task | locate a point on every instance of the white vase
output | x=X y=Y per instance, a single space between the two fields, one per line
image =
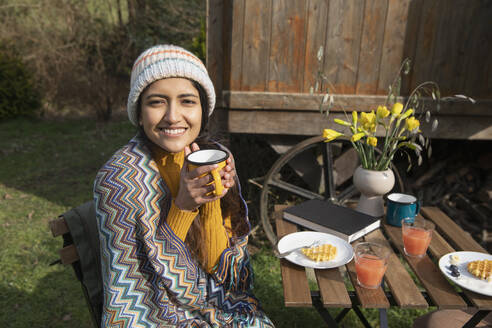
x=373 y=185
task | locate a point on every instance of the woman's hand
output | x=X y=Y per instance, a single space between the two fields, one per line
x=195 y=190
x=228 y=173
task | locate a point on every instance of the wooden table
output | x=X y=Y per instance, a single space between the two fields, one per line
x=402 y=292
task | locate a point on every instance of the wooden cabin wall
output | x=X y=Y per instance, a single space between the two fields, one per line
x=262 y=54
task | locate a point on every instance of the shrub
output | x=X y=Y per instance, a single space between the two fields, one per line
x=18 y=95
x=81 y=52
x=199 y=43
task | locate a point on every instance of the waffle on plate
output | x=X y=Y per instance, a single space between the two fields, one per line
x=321 y=253
x=481 y=269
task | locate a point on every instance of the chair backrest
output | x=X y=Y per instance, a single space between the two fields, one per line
x=81 y=249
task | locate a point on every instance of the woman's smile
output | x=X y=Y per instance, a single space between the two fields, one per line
x=172 y=132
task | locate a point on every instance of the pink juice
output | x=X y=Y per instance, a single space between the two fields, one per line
x=416 y=240
x=370 y=270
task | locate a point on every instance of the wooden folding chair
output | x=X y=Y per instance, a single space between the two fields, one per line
x=78 y=228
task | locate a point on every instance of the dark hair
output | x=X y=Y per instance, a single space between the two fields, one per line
x=203 y=136
x=231 y=204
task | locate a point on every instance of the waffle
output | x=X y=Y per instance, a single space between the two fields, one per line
x=481 y=269
x=321 y=253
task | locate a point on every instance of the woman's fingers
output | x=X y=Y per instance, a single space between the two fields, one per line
x=201 y=192
x=201 y=181
x=228 y=173
x=194 y=146
x=207 y=182
x=205 y=169
x=187 y=150
x=195 y=199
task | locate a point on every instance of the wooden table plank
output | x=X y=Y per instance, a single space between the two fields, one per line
x=459 y=238
x=439 y=246
x=439 y=289
x=404 y=290
x=332 y=288
x=296 y=287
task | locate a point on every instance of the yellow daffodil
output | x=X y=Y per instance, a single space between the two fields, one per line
x=373 y=141
x=395 y=123
x=382 y=112
x=412 y=123
x=330 y=134
x=341 y=122
x=368 y=121
x=407 y=114
x=354 y=118
x=397 y=108
x=357 y=136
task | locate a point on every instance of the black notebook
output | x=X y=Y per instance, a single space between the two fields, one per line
x=324 y=216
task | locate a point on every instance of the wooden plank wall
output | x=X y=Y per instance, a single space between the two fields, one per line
x=271 y=46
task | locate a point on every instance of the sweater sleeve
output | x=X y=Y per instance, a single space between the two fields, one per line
x=215 y=235
x=180 y=221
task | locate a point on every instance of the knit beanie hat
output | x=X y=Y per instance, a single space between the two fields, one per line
x=165 y=61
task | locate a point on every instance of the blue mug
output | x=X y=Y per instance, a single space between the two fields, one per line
x=400 y=206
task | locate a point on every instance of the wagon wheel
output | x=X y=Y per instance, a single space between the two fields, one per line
x=330 y=165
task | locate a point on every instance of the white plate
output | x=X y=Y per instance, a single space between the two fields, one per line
x=466 y=279
x=304 y=238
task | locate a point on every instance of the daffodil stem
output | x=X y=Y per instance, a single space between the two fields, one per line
x=362 y=155
x=393 y=84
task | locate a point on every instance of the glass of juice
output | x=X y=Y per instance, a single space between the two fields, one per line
x=417 y=235
x=371 y=261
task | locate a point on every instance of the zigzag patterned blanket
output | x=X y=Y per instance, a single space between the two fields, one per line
x=150 y=278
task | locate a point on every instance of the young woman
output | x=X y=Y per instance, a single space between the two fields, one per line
x=172 y=253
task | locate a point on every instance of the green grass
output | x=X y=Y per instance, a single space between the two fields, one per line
x=48 y=167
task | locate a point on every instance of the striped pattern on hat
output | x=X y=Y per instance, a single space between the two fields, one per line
x=165 y=61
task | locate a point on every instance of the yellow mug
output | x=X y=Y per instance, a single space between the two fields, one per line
x=207 y=157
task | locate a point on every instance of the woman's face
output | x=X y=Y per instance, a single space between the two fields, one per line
x=171 y=113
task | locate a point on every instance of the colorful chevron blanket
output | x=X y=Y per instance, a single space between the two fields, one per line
x=150 y=278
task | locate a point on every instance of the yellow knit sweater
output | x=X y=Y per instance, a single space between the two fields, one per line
x=214 y=227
